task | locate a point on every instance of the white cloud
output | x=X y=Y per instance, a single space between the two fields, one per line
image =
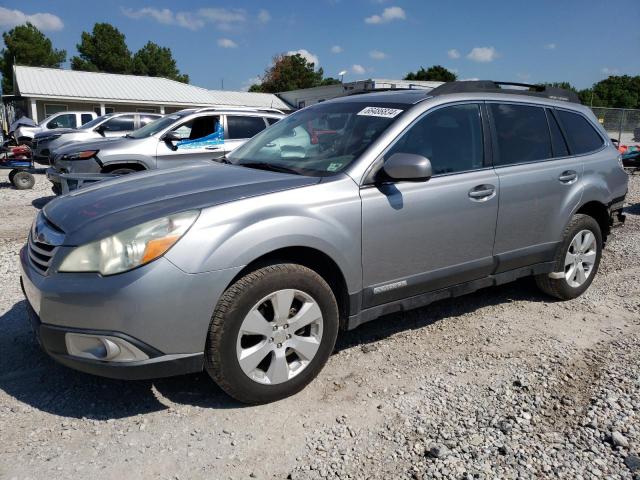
x=336 y=49
x=550 y=46
x=226 y=43
x=307 y=55
x=610 y=71
x=264 y=16
x=43 y=21
x=222 y=18
x=453 y=53
x=358 y=69
x=250 y=81
x=483 y=54
x=377 y=55
x=388 y=15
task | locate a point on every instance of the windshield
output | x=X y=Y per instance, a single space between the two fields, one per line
x=94 y=123
x=156 y=126
x=320 y=140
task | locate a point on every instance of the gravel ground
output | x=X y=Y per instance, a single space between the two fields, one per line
x=503 y=383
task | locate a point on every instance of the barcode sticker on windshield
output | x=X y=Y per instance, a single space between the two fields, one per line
x=380 y=112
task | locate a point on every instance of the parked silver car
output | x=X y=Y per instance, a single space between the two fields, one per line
x=377 y=203
x=192 y=135
x=109 y=125
x=24 y=134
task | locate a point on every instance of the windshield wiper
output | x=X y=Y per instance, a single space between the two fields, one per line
x=268 y=166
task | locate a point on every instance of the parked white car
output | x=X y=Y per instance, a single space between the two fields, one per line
x=24 y=134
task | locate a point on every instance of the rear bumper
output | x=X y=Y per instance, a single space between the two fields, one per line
x=52 y=341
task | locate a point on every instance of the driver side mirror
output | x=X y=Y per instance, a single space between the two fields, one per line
x=100 y=129
x=409 y=167
x=170 y=137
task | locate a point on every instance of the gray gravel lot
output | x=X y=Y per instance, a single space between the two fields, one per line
x=503 y=383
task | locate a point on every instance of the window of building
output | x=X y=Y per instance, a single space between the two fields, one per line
x=581 y=135
x=51 y=109
x=450 y=137
x=522 y=134
x=146 y=110
x=244 y=127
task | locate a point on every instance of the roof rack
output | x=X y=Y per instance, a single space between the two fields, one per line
x=489 y=86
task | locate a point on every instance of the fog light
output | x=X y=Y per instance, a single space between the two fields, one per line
x=102 y=347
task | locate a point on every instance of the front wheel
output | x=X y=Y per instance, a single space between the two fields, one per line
x=577 y=259
x=271 y=333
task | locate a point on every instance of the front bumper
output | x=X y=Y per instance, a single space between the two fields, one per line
x=158 y=308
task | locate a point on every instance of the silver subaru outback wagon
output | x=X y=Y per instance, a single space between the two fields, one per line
x=345 y=211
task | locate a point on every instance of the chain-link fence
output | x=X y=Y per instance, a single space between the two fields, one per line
x=622 y=124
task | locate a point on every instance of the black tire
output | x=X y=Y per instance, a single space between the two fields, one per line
x=23 y=180
x=122 y=171
x=12 y=173
x=560 y=287
x=56 y=188
x=221 y=360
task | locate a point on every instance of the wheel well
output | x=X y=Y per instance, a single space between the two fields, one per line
x=115 y=166
x=317 y=261
x=600 y=214
x=25 y=139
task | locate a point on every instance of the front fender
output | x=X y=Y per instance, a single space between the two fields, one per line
x=324 y=217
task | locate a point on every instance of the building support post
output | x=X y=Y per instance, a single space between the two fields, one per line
x=162 y=109
x=34 y=110
x=102 y=109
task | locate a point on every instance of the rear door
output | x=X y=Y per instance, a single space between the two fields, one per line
x=118 y=126
x=540 y=183
x=240 y=128
x=202 y=139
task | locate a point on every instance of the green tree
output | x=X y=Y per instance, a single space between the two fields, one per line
x=103 y=50
x=156 y=61
x=436 y=73
x=290 y=72
x=621 y=91
x=26 y=45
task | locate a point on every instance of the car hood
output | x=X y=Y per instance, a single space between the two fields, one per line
x=114 y=205
x=57 y=131
x=96 y=144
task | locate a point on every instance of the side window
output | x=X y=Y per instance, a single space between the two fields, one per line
x=85 y=117
x=450 y=137
x=123 y=123
x=144 y=119
x=557 y=139
x=581 y=135
x=244 y=127
x=522 y=134
x=200 y=132
x=67 y=120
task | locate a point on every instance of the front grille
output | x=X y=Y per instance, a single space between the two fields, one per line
x=40 y=254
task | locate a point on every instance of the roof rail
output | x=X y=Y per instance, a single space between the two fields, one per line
x=241 y=109
x=490 y=86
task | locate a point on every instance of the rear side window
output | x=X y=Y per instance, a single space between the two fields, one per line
x=557 y=140
x=450 y=137
x=581 y=135
x=124 y=123
x=85 y=117
x=144 y=119
x=244 y=127
x=522 y=134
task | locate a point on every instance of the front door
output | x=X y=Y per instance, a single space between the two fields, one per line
x=202 y=139
x=423 y=236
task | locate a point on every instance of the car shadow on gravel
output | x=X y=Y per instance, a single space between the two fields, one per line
x=33 y=378
x=383 y=327
x=39 y=203
x=633 y=209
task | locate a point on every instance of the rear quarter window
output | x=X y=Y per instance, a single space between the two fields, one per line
x=581 y=135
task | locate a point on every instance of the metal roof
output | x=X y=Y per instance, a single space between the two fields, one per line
x=40 y=82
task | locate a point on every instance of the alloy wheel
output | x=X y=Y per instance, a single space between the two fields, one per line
x=580 y=258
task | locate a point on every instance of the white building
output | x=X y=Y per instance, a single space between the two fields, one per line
x=308 y=96
x=41 y=92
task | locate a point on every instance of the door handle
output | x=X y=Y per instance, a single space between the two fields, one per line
x=568 y=176
x=482 y=192
x=212 y=147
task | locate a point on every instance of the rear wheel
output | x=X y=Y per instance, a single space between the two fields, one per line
x=271 y=333
x=122 y=171
x=576 y=261
x=23 y=180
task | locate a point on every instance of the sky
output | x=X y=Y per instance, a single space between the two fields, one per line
x=233 y=41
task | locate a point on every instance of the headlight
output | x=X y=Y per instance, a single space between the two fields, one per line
x=80 y=155
x=130 y=248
